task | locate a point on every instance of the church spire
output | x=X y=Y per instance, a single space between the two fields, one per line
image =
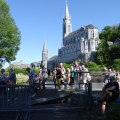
x=66 y=11
x=44 y=46
x=44 y=55
x=67 y=26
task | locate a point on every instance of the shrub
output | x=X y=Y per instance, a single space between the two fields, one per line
x=67 y=65
x=24 y=71
x=93 y=66
x=116 y=64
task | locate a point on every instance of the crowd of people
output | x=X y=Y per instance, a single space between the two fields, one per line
x=34 y=80
x=11 y=79
x=64 y=79
x=60 y=75
x=37 y=80
x=107 y=73
x=4 y=80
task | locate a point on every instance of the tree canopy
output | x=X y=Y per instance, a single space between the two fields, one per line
x=9 y=35
x=107 y=53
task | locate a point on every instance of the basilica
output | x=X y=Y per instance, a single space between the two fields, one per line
x=79 y=44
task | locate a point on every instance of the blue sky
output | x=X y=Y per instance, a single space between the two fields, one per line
x=41 y=20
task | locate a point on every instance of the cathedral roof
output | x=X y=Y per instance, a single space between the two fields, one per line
x=36 y=62
x=90 y=26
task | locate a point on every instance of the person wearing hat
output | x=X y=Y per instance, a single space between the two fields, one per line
x=109 y=92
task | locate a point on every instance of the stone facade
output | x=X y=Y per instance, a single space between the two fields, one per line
x=36 y=65
x=79 y=44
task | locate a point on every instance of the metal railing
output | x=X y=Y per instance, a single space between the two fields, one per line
x=16 y=98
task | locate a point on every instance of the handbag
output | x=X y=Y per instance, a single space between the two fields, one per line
x=88 y=78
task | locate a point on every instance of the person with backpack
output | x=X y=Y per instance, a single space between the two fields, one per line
x=58 y=78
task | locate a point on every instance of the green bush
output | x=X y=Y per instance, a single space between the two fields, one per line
x=94 y=69
x=24 y=71
x=93 y=66
x=116 y=64
x=113 y=113
x=67 y=65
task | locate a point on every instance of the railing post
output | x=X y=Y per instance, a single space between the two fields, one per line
x=89 y=92
x=76 y=80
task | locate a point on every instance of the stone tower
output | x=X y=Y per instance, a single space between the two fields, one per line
x=67 y=26
x=44 y=55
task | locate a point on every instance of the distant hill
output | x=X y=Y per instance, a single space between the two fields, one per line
x=18 y=65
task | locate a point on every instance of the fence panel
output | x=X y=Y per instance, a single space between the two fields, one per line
x=16 y=98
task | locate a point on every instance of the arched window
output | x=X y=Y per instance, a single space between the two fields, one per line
x=92 y=34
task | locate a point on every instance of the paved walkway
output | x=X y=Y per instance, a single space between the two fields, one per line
x=51 y=93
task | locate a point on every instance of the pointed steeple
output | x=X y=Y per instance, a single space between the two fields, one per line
x=44 y=55
x=66 y=11
x=67 y=26
x=44 y=46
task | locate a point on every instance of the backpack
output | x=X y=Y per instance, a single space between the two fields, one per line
x=58 y=74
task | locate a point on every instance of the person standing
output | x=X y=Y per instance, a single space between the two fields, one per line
x=12 y=77
x=40 y=78
x=3 y=81
x=31 y=78
x=12 y=81
x=63 y=76
x=68 y=76
x=77 y=67
x=58 y=78
x=3 y=78
x=54 y=76
x=72 y=76
x=84 y=75
x=106 y=75
x=45 y=76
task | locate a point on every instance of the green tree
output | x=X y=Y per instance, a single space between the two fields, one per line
x=9 y=35
x=103 y=52
x=114 y=52
x=106 y=33
x=106 y=54
x=116 y=64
